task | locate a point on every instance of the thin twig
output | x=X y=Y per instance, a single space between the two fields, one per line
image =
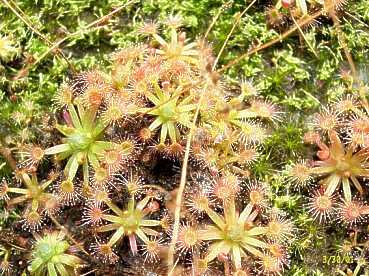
x=65 y=230
x=343 y=43
x=357 y=19
x=23 y=17
x=222 y=8
x=342 y=40
x=56 y=45
x=87 y=273
x=271 y=42
x=86 y=28
x=7 y=154
x=303 y=36
x=182 y=184
x=231 y=32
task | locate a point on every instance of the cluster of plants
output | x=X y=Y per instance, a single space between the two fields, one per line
x=114 y=125
x=176 y=156
x=340 y=134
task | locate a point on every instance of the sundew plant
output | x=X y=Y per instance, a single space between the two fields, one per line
x=184 y=137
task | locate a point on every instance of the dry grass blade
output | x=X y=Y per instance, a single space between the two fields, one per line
x=272 y=42
x=304 y=37
x=54 y=47
x=182 y=184
x=221 y=9
x=342 y=41
x=231 y=32
x=23 y=17
x=65 y=230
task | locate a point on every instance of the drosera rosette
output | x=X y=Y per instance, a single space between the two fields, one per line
x=68 y=192
x=181 y=77
x=39 y=202
x=53 y=255
x=177 y=48
x=281 y=229
x=169 y=112
x=189 y=238
x=236 y=128
x=234 y=234
x=83 y=143
x=169 y=80
x=132 y=222
x=322 y=207
x=352 y=212
x=198 y=196
x=299 y=174
x=340 y=164
x=237 y=235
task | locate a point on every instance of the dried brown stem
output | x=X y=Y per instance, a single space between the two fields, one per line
x=55 y=46
x=222 y=8
x=182 y=184
x=272 y=42
x=303 y=36
x=350 y=60
x=8 y=156
x=65 y=230
x=23 y=17
x=235 y=24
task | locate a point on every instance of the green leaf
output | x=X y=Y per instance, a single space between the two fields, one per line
x=119 y=233
x=236 y=253
x=216 y=248
x=108 y=227
x=142 y=235
x=331 y=183
x=163 y=133
x=69 y=260
x=217 y=219
x=61 y=269
x=256 y=231
x=51 y=269
x=75 y=119
x=36 y=264
x=245 y=213
x=94 y=161
x=149 y=222
x=72 y=167
x=211 y=233
x=155 y=124
x=58 y=149
x=172 y=131
x=254 y=242
x=346 y=189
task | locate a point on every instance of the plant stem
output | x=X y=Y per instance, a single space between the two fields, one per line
x=235 y=24
x=65 y=230
x=222 y=8
x=271 y=42
x=7 y=154
x=182 y=184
